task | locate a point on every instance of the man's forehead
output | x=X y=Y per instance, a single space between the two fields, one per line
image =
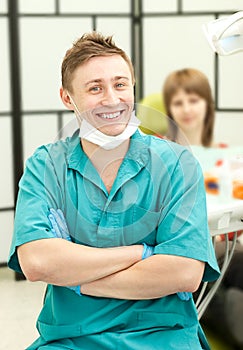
x=101 y=80
x=102 y=68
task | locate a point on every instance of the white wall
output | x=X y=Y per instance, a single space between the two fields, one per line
x=6 y=157
x=172 y=40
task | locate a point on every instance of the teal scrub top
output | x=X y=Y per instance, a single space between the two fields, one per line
x=158 y=197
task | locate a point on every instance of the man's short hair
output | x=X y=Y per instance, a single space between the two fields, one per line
x=89 y=45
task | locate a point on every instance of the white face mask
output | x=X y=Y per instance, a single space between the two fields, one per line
x=90 y=133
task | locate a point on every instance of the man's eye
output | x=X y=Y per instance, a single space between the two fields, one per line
x=120 y=85
x=95 y=88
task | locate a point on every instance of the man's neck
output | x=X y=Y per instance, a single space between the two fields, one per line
x=101 y=158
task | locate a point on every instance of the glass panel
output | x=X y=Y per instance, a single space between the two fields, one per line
x=228 y=129
x=6 y=156
x=120 y=28
x=3 y=6
x=38 y=130
x=67 y=118
x=4 y=59
x=70 y=124
x=209 y=5
x=159 y=6
x=95 y=6
x=6 y=232
x=42 y=6
x=44 y=42
x=231 y=81
x=181 y=44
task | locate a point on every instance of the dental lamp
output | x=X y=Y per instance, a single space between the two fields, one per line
x=225 y=35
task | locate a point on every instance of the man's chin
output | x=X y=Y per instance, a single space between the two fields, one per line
x=113 y=130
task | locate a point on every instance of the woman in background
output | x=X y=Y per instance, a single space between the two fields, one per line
x=189 y=106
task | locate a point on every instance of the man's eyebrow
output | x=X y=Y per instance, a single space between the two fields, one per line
x=118 y=77
x=93 y=81
x=121 y=77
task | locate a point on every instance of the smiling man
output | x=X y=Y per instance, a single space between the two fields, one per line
x=103 y=90
x=112 y=220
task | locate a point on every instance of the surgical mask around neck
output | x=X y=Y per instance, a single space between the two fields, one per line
x=89 y=133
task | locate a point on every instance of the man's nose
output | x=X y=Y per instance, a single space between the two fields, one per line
x=110 y=97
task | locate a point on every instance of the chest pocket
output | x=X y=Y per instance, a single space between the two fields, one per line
x=127 y=228
x=115 y=229
x=142 y=228
x=126 y=217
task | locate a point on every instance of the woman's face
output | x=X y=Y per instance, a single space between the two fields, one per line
x=188 y=110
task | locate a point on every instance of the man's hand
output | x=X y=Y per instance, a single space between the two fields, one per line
x=60 y=230
x=59 y=225
x=147 y=252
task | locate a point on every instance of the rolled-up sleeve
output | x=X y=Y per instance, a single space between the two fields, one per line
x=38 y=191
x=183 y=227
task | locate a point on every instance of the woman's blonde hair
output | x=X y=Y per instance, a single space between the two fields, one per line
x=191 y=81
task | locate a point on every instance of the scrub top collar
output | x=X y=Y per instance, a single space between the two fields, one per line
x=138 y=151
x=136 y=157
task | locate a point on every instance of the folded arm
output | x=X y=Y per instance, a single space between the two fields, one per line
x=107 y=272
x=155 y=277
x=60 y=262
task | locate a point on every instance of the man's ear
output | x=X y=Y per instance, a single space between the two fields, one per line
x=66 y=99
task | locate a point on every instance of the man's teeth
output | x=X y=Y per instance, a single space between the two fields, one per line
x=111 y=115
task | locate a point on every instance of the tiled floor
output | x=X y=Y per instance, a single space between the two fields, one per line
x=20 y=303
